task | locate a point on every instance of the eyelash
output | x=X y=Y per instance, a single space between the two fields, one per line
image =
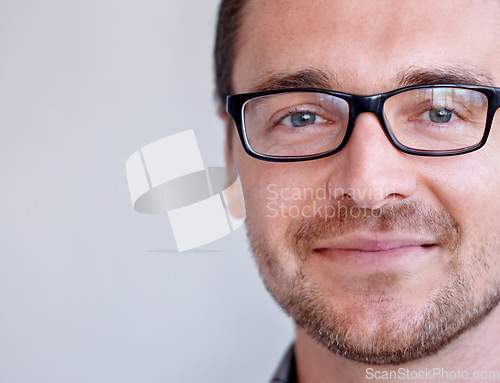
x=429 y=107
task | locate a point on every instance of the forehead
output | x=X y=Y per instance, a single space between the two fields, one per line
x=362 y=45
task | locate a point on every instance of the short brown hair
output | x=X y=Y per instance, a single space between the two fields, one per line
x=228 y=25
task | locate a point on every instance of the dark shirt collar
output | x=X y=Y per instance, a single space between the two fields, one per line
x=286 y=372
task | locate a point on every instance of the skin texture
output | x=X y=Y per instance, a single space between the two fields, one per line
x=424 y=306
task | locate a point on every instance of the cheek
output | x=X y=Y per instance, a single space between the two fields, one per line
x=469 y=191
x=275 y=193
x=468 y=188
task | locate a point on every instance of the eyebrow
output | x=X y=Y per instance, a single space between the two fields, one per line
x=414 y=76
x=304 y=78
x=455 y=74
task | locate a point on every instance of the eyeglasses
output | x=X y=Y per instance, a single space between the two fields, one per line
x=306 y=124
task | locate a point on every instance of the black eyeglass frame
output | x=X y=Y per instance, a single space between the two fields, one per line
x=357 y=105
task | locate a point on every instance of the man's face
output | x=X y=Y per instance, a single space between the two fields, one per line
x=422 y=266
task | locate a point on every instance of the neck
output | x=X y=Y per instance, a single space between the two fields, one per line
x=475 y=351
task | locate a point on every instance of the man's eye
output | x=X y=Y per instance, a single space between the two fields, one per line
x=302 y=119
x=441 y=115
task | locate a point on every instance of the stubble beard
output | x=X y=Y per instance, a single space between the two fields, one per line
x=449 y=311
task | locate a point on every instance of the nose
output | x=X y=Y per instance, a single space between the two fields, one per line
x=370 y=171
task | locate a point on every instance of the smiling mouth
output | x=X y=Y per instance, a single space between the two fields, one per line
x=375 y=250
x=379 y=248
x=376 y=242
x=381 y=257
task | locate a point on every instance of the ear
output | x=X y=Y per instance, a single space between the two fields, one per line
x=234 y=192
x=228 y=136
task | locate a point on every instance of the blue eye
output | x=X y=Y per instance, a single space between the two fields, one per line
x=440 y=116
x=302 y=119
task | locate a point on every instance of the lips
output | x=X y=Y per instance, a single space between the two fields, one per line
x=375 y=242
x=356 y=255
x=376 y=246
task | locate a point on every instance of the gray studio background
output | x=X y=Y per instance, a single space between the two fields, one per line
x=90 y=290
